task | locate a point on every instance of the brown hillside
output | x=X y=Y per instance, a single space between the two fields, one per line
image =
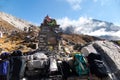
x=6 y=27
x=79 y=39
x=10 y=43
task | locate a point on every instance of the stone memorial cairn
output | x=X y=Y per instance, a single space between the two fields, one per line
x=49 y=35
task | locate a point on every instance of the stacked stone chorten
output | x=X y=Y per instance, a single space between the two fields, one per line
x=49 y=35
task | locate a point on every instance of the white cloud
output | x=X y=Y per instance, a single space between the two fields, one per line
x=75 y=4
x=102 y=32
x=85 y=25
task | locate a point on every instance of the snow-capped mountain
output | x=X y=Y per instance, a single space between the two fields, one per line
x=83 y=25
x=90 y=26
x=13 y=21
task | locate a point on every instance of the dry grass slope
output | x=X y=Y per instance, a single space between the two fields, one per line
x=79 y=39
x=7 y=27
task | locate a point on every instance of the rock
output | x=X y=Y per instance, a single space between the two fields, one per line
x=6 y=40
x=88 y=49
x=77 y=47
x=111 y=55
x=27 y=39
x=20 y=47
x=32 y=45
x=0 y=44
x=40 y=55
x=1 y=34
x=1 y=50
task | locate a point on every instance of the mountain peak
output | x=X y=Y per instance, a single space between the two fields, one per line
x=89 y=26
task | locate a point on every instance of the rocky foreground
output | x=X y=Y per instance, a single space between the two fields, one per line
x=110 y=53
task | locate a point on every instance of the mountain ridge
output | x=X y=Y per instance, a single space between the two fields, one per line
x=89 y=26
x=85 y=26
x=14 y=21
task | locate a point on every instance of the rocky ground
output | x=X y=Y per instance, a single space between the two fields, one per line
x=20 y=40
x=24 y=41
x=28 y=41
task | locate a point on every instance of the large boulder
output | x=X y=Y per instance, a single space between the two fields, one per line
x=111 y=55
x=88 y=49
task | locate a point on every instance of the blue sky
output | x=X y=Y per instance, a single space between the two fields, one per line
x=35 y=10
